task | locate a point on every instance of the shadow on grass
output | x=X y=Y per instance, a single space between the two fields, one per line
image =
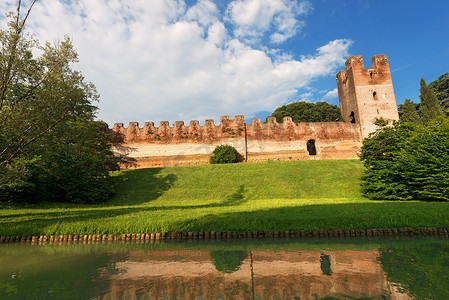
x=326 y=216
x=91 y=214
x=317 y=216
x=235 y=198
x=133 y=187
x=140 y=186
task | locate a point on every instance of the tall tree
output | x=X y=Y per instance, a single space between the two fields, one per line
x=441 y=89
x=302 y=111
x=430 y=108
x=424 y=161
x=37 y=94
x=48 y=136
x=409 y=112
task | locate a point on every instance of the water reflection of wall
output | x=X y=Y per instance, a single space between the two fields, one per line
x=262 y=275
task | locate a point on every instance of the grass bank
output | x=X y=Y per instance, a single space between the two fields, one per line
x=291 y=195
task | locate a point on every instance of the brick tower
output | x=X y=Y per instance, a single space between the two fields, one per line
x=366 y=94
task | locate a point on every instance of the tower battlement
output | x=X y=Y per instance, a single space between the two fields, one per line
x=378 y=74
x=366 y=94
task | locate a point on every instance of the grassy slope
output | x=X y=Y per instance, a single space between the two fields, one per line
x=255 y=196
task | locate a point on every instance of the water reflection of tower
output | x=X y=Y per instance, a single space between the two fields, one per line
x=252 y=275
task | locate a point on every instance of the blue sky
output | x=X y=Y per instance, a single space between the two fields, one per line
x=199 y=59
x=413 y=35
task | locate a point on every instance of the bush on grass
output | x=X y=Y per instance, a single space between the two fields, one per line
x=224 y=154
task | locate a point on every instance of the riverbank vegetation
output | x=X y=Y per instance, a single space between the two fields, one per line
x=285 y=195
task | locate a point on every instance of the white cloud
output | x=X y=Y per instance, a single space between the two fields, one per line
x=332 y=94
x=205 y=12
x=161 y=60
x=308 y=96
x=217 y=33
x=255 y=18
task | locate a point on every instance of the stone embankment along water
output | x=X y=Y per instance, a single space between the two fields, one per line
x=343 y=233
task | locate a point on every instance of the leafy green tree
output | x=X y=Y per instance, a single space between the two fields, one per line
x=441 y=89
x=409 y=112
x=78 y=165
x=429 y=108
x=48 y=134
x=308 y=112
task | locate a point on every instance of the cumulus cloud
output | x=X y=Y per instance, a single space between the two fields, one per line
x=332 y=94
x=204 y=11
x=254 y=18
x=163 y=60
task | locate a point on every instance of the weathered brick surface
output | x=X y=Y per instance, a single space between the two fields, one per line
x=366 y=94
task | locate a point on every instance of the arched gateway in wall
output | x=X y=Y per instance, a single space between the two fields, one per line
x=364 y=95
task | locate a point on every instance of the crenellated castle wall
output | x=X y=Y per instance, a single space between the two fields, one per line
x=179 y=133
x=153 y=146
x=364 y=94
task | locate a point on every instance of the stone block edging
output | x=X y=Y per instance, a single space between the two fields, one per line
x=341 y=233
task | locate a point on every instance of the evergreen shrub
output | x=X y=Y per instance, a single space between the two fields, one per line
x=407 y=161
x=224 y=154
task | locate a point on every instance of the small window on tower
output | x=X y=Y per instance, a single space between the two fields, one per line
x=374 y=95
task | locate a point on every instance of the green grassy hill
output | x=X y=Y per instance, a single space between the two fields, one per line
x=251 y=181
x=290 y=195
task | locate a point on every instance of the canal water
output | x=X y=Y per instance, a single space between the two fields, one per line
x=229 y=269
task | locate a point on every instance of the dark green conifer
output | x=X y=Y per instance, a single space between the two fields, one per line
x=410 y=112
x=441 y=89
x=429 y=108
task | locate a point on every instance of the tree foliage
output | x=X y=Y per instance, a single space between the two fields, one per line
x=308 y=112
x=441 y=90
x=379 y=154
x=224 y=154
x=409 y=112
x=50 y=145
x=429 y=108
x=424 y=161
x=407 y=161
x=410 y=159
